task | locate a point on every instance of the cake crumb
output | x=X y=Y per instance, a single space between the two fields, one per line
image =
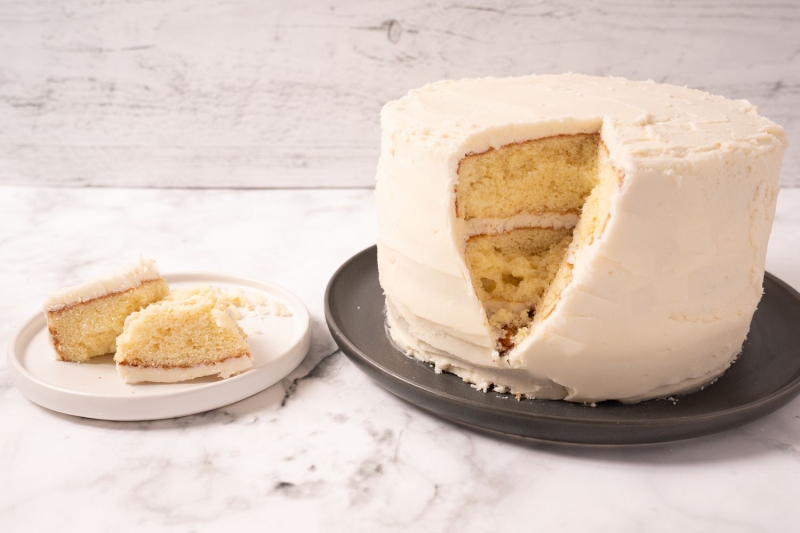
x=256 y=303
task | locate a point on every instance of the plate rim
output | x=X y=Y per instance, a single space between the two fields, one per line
x=22 y=378
x=775 y=399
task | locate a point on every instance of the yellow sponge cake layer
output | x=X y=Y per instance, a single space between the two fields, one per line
x=513 y=272
x=595 y=215
x=554 y=174
x=516 y=266
x=188 y=335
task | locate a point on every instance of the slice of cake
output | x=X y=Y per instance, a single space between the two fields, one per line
x=84 y=321
x=188 y=335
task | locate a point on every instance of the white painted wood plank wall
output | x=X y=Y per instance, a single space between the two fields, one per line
x=251 y=93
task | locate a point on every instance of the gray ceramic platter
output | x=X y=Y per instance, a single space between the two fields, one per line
x=765 y=377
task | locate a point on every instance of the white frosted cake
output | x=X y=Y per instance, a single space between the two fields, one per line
x=574 y=237
x=84 y=320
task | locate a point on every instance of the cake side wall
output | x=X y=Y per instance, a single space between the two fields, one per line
x=666 y=296
x=418 y=262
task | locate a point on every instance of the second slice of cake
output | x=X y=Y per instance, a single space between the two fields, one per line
x=188 y=335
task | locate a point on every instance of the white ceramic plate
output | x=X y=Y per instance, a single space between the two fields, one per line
x=94 y=390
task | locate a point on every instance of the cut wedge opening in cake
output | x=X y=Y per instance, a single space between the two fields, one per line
x=528 y=208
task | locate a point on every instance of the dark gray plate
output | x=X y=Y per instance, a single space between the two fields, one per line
x=765 y=377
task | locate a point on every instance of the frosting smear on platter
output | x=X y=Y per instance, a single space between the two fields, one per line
x=574 y=237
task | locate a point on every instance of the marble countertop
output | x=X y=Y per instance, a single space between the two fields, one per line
x=326 y=448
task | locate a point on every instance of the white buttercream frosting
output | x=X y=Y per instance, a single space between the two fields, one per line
x=659 y=304
x=120 y=280
x=223 y=369
x=481 y=226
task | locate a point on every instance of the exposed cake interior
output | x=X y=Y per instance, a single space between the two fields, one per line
x=520 y=203
x=191 y=329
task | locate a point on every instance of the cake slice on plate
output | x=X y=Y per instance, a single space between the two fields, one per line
x=85 y=320
x=188 y=335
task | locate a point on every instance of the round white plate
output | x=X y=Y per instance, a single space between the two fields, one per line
x=94 y=390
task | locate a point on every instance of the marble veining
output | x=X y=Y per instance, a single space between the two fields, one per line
x=327 y=449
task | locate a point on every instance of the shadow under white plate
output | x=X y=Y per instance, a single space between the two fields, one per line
x=94 y=390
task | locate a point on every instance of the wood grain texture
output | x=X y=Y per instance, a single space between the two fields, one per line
x=246 y=93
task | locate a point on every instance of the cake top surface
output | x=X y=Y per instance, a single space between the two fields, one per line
x=650 y=119
x=122 y=279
